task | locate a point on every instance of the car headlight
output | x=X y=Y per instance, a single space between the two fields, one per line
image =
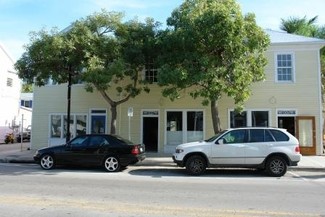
x=178 y=150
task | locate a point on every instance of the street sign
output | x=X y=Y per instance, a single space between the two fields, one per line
x=130 y=112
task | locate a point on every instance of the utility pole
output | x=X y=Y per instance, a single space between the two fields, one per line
x=68 y=109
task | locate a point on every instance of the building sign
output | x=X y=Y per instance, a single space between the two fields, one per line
x=287 y=112
x=150 y=113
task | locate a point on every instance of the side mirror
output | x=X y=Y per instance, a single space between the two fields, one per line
x=220 y=141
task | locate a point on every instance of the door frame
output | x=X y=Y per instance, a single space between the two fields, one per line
x=150 y=113
x=307 y=150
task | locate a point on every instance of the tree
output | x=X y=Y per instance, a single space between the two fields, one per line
x=27 y=88
x=99 y=50
x=212 y=48
x=300 y=26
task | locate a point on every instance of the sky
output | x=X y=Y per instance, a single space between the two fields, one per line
x=20 y=17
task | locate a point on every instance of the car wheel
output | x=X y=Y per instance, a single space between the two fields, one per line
x=276 y=166
x=112 y=164
x=196 y=165
x=47 y=162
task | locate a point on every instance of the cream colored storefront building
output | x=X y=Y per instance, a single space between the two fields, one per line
x=290 y=97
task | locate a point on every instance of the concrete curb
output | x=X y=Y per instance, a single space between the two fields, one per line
x=150 y=161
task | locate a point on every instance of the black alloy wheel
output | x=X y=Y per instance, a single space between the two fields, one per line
x=196 y=165
x=276 y=166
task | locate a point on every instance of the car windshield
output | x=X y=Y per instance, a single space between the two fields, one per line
x=215 y=136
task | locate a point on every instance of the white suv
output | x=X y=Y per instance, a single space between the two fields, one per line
x=272 y=149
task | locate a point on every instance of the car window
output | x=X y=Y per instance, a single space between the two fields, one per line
x=268 y=136
x=256 y=135
x=279 y=136
x=97 y=141
x=234 y=136
x=79 y=141
x=119 y=140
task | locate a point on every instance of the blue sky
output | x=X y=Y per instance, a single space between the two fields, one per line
x=19 y=17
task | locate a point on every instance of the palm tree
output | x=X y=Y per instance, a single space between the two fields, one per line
x=300 y=26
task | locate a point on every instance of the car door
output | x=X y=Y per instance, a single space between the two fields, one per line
x=259 y=141
x=229 y=149
x=74 y=151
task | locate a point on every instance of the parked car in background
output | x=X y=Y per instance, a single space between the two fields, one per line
x=270 y=149
x=26 y=134
x=109 y=151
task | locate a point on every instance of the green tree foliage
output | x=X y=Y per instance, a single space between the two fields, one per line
x=300 y=26
x=212 y=48
x=27 y=88
x=100 y=50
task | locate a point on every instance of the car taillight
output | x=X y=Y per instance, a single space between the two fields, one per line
x=135 y=150
x=297 y=149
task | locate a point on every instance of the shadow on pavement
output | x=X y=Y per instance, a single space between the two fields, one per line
x=181 y=172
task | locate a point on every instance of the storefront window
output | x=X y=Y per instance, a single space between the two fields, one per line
x=260 y=118
x=72 y=129
x=56 y=126
x=249 y=118
x=174 y=127
x=184 y=126
x=238 y=119
x=194 y=126
x=81 y=124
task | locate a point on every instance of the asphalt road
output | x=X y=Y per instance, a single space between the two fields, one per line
x=27 y=190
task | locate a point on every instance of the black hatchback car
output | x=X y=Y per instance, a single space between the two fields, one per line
x=110 y=151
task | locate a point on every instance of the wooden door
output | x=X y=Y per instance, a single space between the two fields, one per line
x=306 y=134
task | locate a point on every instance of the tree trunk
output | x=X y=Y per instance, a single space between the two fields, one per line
x=215 y=116
x=114 y=116
x=113 y=105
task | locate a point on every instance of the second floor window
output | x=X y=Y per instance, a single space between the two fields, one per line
x=9 y=82
x=151 y=73
x=26 y=103
x=284 y=68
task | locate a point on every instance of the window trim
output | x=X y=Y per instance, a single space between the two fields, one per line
x=249 y=116
x=73 y=116
x=292 y=54
x=153 y=77
x=184 y=122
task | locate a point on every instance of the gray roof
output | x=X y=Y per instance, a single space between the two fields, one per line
x=279 y=37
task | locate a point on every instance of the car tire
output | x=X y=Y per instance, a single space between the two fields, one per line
x=47 y=162
x=276 y=166
x=112 y=164
x=195 y=165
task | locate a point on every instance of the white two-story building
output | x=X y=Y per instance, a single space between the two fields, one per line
x=10 y=87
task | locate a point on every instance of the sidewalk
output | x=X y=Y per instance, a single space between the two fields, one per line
x=20 y=153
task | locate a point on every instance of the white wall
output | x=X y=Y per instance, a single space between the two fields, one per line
x=9 y=91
